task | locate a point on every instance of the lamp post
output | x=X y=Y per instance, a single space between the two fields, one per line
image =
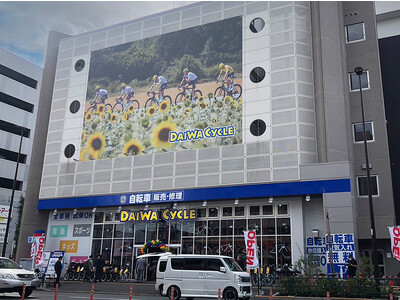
x=12 y=194
x=359 y=72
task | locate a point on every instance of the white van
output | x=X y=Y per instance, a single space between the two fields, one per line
x=195 y=276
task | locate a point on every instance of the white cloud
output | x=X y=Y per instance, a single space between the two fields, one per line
x=25 y=25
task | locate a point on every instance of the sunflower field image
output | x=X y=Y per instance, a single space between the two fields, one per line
x=124 y=113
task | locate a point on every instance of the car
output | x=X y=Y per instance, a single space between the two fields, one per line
x=13 y=277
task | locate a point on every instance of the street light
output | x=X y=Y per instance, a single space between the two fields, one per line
x=359 y=72
x=12 y=194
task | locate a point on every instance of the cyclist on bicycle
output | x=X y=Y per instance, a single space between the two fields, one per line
x=163 y=83
x=229 y=74
x=189 y=79
x=126 y=93
x=101 y=96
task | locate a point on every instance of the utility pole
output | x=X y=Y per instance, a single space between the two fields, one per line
x=328 y=232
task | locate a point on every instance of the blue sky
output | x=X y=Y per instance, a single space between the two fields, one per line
x=24 y=25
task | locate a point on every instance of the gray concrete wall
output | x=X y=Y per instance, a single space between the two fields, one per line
x=32 y=219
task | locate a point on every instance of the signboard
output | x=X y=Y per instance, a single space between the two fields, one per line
x=2 y=232
x=395 y=239
x=37 y=247
x=70 y=216
x=58 y=231
x=154 y=215
x=45 y=260
x=82 y=230
x=317 y=247
x=176 y=121
x=251 y=249
x=78 y=259
x=4 y=211
x=69 y=246
x=342 y=247
x=52 y=261
x=156 y=197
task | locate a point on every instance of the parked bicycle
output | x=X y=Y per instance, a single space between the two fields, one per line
x=124 y=274
x=71 y=269
x=222 y=91
x=186 y=94
x=154 y=101
x=121 y=105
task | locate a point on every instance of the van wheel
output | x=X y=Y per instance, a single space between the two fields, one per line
x=230 y=294
x=160 y=289
x=177 y=293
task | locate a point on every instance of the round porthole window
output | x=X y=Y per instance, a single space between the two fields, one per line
x=79 y=65
x=74 y=107
x=258 y=127
x=257 y=25
x=69 y=151
x=257 y=74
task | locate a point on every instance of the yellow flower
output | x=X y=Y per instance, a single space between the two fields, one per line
x=133 y=147
x=214 y=120
x=161 y=135
x=113 y=118
x=187 y=112
x=83 y=136
x=125 y=117
x=131 y=109
x=187 y=97
x=240 y=101
x=100 y=109
x=227 y=99
x=96 y=144
x=202 y=105
x=201 y=99
x=164 y=106
x=234 y=103
x=88 y=117
x=151 y=111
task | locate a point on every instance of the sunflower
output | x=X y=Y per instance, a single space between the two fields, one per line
x=96 y=144
x=113 y=118
x=234 y=103
x=83 y=154
x=227 y=99
x=151 y=111
x=187 y=112
x=240 y=102
x=88 y=117
x=187 y=97
x=214 y=120
x=201 y=99
x=161 y=134
x=164 y=106
x=100 y=109
x=131 y=109
x=125 y=116
x=133 y=147
x=83 y=135
x=202 y=105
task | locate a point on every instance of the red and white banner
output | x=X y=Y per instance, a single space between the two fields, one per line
x=251 y=249
x=395 y=238
x=37 y=247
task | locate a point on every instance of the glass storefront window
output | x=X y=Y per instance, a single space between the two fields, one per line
x=239 y=211
x=255 y=224
x=268 y=252
x=140 y=229
x=96 y=248
x=116 y=216
x=108 y=217
x=108 y=231
x=151 y=231
x=187 y=245
x=213 y=228
x=201 y=228
x=127 y=252
x=240 y=226
x=106 y=250
x=284 y=250
x=268 y=226
x=268 y=210
x=97 y=231
x=117 y=252
x=227 y=211
x=212 y=245
x=200 y=245
x=175 y=234
x=239 y=247
x=119 y=230
x=187 y=228
x=99 y=217
x=226 y=246
x=201 y=213
x=163 y=228
x=254 y=210
x=283 y=225
x=282 y=209
x=129 y=229
x=213 y=212
x=227 y=227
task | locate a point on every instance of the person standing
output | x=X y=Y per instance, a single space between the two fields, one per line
x=139 y=268
x=351 y=266
x=58 y=269
x=88 y=266
x=99 y=265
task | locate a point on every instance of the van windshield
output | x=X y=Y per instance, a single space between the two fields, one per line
x=232 y=264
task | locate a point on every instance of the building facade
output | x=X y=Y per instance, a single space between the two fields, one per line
x=277 y=152
x=20 y=83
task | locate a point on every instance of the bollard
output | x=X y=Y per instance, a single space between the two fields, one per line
x=172 y=293
x=270 y=294
x=56 y=292
x=391 y=296
x=92 y=292
x=328 y=295
x=131 y=292
x=219 y=294
x=23 y=292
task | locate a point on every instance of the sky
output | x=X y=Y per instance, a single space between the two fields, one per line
x=25 y=25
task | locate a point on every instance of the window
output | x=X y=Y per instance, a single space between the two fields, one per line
x=257 y=74
x=355 y=81
x=213 y=264
x=254 y=210
x=194 y=264
x=239 y=211
x=257 y=127
x=362 y=186
x=213 y=212
x=18 y=76
x=358 y=132
x=6 y=183
x=163 y=266
x=201 y=212
x=13 y=156
x=282 y=209
x=268 y=210
x=177 y=263
x=227 y=211
x=355 y=33
x=18 y=103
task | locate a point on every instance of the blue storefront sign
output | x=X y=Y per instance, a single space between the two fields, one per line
x=342 y=247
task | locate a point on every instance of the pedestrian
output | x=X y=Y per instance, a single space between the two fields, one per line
x=351 y=266
x=139 y=268
x=88 y=267
x=58 y=269
x=99 y=265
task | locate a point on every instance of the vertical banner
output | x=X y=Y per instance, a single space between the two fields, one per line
x=37 y=247
x=395 y=239
x=251 y=249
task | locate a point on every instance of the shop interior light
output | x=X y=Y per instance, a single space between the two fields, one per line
x=308 y=198
x=175 y=205
x=204 y=203
x=236 y=202
x=75 y=211
x=119 y=208
x=270 y=199
x=94 y=209
x=54 y=212
x=146 y=207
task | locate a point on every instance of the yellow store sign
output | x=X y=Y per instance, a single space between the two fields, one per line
x=69 y=246
x=154 y=215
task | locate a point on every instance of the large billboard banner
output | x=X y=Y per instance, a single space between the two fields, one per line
x=176 y=91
